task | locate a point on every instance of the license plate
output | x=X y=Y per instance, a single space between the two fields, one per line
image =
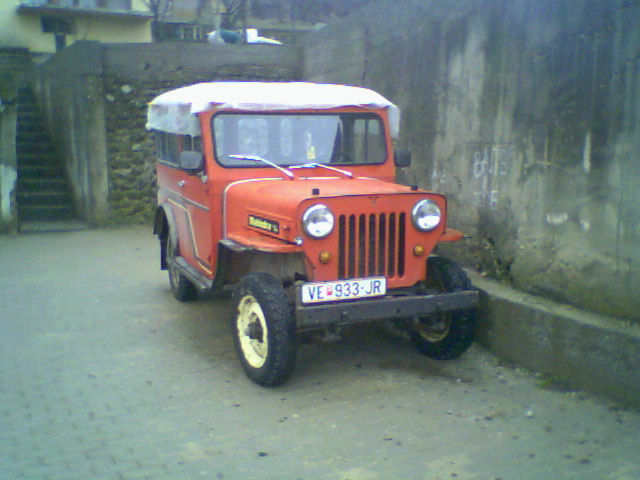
x=343 y=290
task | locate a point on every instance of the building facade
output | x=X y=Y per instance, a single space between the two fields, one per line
x=46 y=26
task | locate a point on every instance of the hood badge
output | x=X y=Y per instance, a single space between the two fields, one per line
x=265 y=224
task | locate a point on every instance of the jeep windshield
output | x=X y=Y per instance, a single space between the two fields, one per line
x=299 y=139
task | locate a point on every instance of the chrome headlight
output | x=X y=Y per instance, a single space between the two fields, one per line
x=426 y=215
x=318 y=221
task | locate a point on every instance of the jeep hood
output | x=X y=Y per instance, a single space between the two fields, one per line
x=278 y=195
x=265 y=213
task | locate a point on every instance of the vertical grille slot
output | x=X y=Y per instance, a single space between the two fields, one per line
x=401 y=243
x=382 y=230
x=362 y=246
x=391 y=250
x=371 y=245
x=372 y=250
x=351 y=249
x=342 y=250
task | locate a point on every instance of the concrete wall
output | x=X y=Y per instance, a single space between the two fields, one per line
x=525 y=114
x=132 y=77
x=70 y=90
x=573 y=348
x=8 y=169
x=95 y=98
x=14 y=64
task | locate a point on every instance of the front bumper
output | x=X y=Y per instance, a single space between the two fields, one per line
x=387 y=307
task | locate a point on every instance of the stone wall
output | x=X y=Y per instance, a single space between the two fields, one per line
x=95 y=97
x=133 y=78
x=525 y=114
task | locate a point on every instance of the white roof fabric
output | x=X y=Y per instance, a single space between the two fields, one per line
x=175 y=111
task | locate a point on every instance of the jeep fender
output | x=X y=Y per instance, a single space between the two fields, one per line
x=236 y=260
x=163 y=226
x=451 y=235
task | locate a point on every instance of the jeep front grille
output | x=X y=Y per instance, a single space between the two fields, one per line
x=371 y=245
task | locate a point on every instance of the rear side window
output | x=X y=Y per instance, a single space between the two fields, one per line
x=169 y=146
x=190 y=144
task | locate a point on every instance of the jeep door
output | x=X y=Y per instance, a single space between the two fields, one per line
x=193 y=188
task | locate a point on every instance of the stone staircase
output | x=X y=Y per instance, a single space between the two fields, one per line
x=14 y=61
x=43 y=192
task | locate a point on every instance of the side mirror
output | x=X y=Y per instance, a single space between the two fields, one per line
x=402 y=158
x=192 y=162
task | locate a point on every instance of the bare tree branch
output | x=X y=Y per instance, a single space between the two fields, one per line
x=159 y=8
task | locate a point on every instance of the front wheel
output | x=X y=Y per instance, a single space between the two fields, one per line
x=264 y=330
x=444 y=335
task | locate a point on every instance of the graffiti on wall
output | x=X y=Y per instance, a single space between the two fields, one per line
x=490 y=166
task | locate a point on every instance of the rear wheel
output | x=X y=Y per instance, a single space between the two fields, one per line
x=444 y=335
x=181 y=287
x=264 y=330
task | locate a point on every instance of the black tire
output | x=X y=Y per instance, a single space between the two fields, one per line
x=446 y=335
x=264 y=329
x=181 y=287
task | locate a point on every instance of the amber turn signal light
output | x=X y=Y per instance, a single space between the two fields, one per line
x=324 y=257
x=418 y=250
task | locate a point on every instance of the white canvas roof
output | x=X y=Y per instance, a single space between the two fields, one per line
x=174 y=111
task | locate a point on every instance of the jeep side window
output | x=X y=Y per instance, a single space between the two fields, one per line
x=167 y=148
x=191 y=144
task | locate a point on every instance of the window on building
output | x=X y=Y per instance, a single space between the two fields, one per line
x=64 y=26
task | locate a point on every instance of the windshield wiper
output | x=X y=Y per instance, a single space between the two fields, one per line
x=314 y=165
x=257 y=158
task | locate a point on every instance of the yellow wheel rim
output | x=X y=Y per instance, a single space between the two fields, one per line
x=252 y=331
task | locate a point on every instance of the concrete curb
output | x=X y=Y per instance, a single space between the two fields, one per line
x=587 y=351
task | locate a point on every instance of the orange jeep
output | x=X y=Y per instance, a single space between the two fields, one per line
x=286 y=191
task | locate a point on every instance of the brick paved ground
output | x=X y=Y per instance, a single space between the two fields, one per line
x=104 y=376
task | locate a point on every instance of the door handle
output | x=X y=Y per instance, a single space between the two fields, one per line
x=181 y=183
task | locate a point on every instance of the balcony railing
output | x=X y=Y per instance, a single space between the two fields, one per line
x=112 y=5
x=83 y=8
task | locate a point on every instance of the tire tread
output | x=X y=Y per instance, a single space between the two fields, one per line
x=463 y=325
x=281 y=324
